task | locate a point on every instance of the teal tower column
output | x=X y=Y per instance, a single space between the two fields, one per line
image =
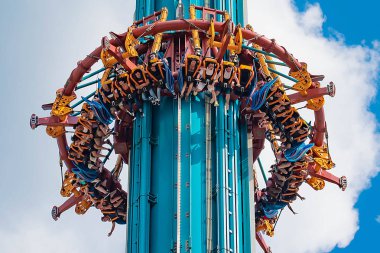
x=188 y=180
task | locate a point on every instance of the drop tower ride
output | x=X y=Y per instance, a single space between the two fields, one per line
x=191 y=184
x=190 y=173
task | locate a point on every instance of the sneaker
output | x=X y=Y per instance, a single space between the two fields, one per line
x=131 y=113
x=216 y=104
x=195 y=93
x=227 y=106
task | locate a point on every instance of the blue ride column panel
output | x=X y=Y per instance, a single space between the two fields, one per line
x=213 y=211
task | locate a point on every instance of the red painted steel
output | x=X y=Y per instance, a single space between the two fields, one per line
x=262 y=243
x=83 y=67
x=62 y=146
x=55 y=121
x=223 y=48
x=311 y=93
x=319 y=129
x=72 y=201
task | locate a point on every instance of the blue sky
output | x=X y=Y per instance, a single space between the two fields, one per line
x=358 y=22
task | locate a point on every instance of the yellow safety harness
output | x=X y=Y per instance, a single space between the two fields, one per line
x=119 y=87
x=225 y=65
x=159 y=65
x=143 y=76
x=206 y=62
x=190 y=58
x=245 y=68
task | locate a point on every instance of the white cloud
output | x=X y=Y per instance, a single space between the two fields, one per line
x=59 y=33
x=327 y=218
x=378 y=218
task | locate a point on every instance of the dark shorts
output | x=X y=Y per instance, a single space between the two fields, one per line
x=145 y=89
x=241 y=91
x=189 y=79
x=160 y=84
x=223 y=88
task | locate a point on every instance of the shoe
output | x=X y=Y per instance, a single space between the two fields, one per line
x=216 y=104
x=227 y=106
x=131 y=113
x=195 y=93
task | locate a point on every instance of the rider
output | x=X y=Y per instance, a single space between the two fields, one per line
x=189 y=71
x=207 y=77
x=156 y=74
x=226 y=77
x=143 y=84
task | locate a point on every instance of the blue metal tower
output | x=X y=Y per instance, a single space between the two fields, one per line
x=189 y=170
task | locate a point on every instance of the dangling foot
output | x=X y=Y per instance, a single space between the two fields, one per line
x=55 y=213
x=216 y=104
x=195 y=93
x=212 y=101
x=130 y=113
x=227 y=106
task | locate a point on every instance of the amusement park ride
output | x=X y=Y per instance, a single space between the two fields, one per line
x=188 y=96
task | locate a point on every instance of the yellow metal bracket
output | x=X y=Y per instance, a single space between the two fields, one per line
x=158 y=37
x=303 y=77
x=60 y=106
x=316 y=183
x=211 y=34
x=316 y=104
x=266 y=226
x=83 y=205
x=69 y=185
x=194 y=32
x=234 y=44
x=107 y=59
x=261 y=57
x=130 y=43
x=55 y=131
x=322 y=158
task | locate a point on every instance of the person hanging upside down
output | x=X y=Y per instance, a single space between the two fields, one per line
x=226 y=77
x=189 y=71
x=122 y=91
x=207 y=80
x=113 y=217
